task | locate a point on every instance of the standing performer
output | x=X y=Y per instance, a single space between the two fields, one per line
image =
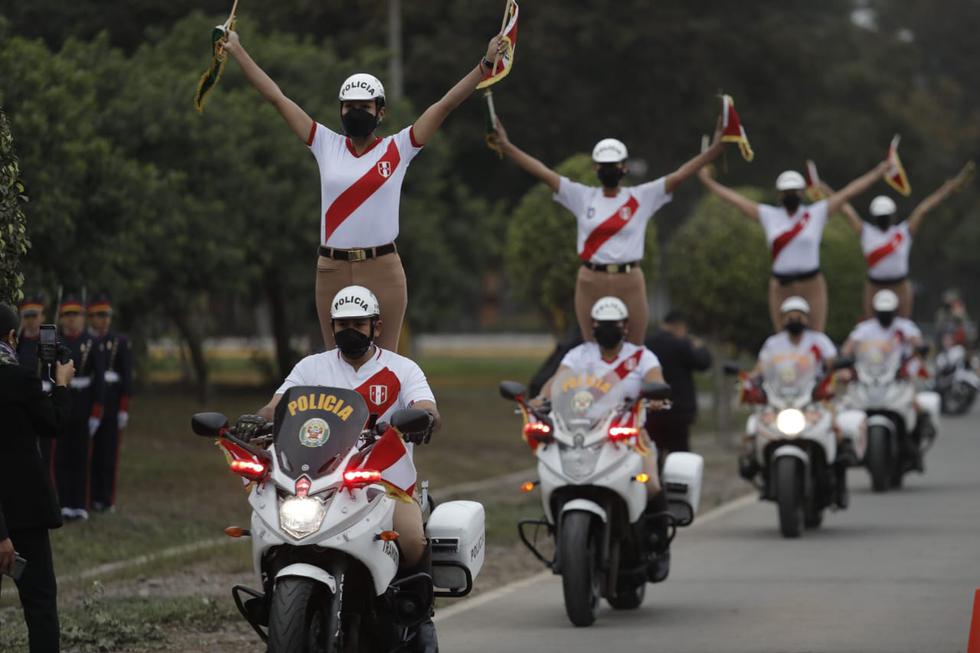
x=360 y=183
x=117 y=354
x=31 y=310
x=72 y=458
x=794 y=232
x=612 y=223
x=887 y=242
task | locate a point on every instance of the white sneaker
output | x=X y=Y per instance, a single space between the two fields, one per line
x=67 y=513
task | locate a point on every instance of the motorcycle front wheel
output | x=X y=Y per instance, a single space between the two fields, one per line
x=789 y=495
x=579 y=569
x=879 y=456
x=299 y=618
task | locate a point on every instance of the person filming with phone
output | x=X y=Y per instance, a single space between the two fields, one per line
x=28 y=503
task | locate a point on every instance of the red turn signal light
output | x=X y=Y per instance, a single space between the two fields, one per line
x=538 y=431
x=527 y=486
x=357 y=477
x=620 y=433
x=249 y=469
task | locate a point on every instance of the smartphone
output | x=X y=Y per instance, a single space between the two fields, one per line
x=49 y=335
x=47 y=350
x=18 y=570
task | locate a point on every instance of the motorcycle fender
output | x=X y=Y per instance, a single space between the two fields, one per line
x=304 y=570
x=790 y=451
x=929 y=402
x=586 y=506
x=881 y=420
x=851 y=425
x=969 y=377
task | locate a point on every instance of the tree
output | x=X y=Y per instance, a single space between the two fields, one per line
x=13 y=223
x=540 y=254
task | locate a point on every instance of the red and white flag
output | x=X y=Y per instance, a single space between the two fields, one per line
x=732 y=129
x=508 y=31
x=813 y=190
x=896 y=177
x=391 y=457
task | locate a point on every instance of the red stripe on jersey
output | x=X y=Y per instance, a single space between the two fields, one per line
x=350 y=147
x=309 y=139
x=348 y=201
x=609 y=228
x=817 y=356
x=628 y=365
x=380 y=392
x=785 y=238
x=874 y=257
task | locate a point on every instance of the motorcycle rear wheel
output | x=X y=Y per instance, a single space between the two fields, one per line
x=789 y=496
x=579 y=568
x=299 y=618
x=880 y=458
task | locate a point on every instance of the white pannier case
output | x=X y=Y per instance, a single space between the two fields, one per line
x=458 y=540
x=682 y=476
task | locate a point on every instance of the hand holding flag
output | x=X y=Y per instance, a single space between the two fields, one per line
x=504 y=60
x=219 y=36
x=814 y=189
x=895 y=176
x=732 y=129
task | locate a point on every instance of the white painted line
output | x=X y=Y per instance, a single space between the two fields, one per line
x=482 y=599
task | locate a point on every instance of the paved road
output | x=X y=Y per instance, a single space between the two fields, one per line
x=894 y=573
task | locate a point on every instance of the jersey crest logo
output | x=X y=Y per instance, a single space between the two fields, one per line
x=625 y=213
x=384 y=168
x=378 y=394
x=630 y=364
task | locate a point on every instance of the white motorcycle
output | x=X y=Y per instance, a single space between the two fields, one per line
x=322 y=533
x=793 y=446
x=594 y=493
x=890 y=423
x=957 y=381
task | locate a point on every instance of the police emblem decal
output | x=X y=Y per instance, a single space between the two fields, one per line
x=378 y=394
x=314 y=433
x=384 y=168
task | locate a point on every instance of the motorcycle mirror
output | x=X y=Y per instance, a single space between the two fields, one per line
x=410 y=420
x=843 y=362
x=208 y=424
x=512 y=390
x=655 y=391
x=731 y=368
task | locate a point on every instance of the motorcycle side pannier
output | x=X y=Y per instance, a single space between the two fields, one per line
x=458 y=539
x=682 y=476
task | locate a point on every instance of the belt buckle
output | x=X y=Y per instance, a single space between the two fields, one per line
x=613 y=267
x=356 y=255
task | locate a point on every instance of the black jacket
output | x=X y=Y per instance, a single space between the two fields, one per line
x=26 y=414
x=679 y=359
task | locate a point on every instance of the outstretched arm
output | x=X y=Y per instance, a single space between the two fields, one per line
x=931 y=202
x=853 y=219
x=856 y=187
x=432 y=118
x=743 y=204
x=697 y=163
x=298 y=120
x=527 y=162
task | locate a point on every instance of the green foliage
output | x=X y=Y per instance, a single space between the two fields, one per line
x=13 y=223
x=843 y=265
x=540 y=255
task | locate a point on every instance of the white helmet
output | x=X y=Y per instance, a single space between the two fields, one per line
x=885 y=301
x=609 y=309
x=609 y=150
x=794 y=303
x=354 y=302
x=362 y=86
x=882 y=206
x=790 y=180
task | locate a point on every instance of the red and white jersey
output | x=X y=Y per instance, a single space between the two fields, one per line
x=886 y=252
x=360 y=194
x=794 y=240
x=901 y=332
x=630 y=367
x=388 y=382
x=612 y=229
x=813 y=349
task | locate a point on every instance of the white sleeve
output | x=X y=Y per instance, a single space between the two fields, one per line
x=415 y=387
x=300 y=375
x=573 y=196
x=320 y=140
x=911 y=330
x=648 y=361
x=819 y=211
x=653 y=195
x=766 y=350
x=827 y=347
x=768 y=214
x=407 y=146
x=572 y=358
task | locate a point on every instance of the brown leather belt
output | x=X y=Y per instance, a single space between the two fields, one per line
x=357 y=255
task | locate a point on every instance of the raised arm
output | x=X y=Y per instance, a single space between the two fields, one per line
x=298 y=120
x=743 y=204
x=527 y=162
x=853 y=219
x=432 y=118
x=931 y=202
x=697 y=163
x=856 y=187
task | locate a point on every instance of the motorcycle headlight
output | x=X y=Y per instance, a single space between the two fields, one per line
x=301 y=516
x=791 y=421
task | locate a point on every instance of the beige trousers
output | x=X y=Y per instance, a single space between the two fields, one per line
x=813 y=290
x=384 y=276
x=629 y=287
x=903 y=289
x=411 y=534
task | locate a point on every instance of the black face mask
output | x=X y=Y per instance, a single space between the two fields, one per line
x=795 y=327
x=883 y=221
x=609 y=174
x=791 y=202
x=885 y=319
x=352 y=343
x=359 y=123
x=608 y=334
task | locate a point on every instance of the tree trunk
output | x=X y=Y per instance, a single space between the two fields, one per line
x=276 y=297
x=195 y=346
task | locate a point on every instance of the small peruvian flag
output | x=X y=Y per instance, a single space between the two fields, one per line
x=391 y=457
x=732 y=129
x=813 y=190
x=896 y=177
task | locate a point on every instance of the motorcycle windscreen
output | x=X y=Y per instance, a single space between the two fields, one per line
x=790 y=375
x=878 y=359
x=315 y=427
x=581 y=401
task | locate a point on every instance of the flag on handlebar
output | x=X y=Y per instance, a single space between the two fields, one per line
x=732 y=130
x=391 y=457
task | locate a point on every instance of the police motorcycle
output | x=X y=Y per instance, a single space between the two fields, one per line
x=956 y=379
x=322 y=533
x=593 y=491
x=890 y=423
x=793 y=444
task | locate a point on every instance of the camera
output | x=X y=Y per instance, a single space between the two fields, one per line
x=50 y=350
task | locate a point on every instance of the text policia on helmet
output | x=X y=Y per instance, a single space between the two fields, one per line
x=609 y=309
x=609 y=150
x=354 y=302
x=362 y=86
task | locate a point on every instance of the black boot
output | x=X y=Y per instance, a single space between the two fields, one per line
x=843 y=497
x=656 y=527
x=846 y=455
x=416 y=598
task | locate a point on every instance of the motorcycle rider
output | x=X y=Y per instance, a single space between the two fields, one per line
x=388 y=382
x=611 y=354
x=810 y=348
